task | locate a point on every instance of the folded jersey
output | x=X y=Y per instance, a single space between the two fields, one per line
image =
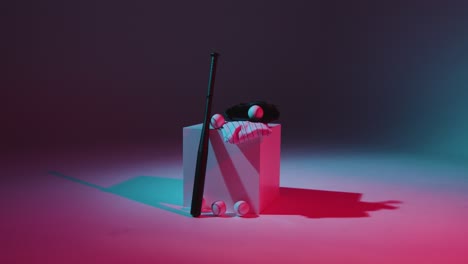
x=236 y=132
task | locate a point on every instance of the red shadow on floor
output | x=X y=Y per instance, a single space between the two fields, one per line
x=324 y=204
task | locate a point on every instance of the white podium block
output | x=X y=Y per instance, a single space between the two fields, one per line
x=248 y=171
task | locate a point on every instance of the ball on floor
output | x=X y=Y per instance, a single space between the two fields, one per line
x=241 y=208
x=218 y=208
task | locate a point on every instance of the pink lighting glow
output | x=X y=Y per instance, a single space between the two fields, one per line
x=333 y=209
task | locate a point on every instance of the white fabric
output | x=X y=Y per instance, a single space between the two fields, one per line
x=236 y=132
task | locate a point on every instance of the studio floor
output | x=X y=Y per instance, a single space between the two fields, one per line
x=122 y=205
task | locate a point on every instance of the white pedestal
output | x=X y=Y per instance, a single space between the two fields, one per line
x=249 y=171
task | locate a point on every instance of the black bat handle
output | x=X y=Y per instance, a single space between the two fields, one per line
x=202 y=157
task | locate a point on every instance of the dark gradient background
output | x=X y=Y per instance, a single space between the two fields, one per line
x=95 y=94
x=381 y=74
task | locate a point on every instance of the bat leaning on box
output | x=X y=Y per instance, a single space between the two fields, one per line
x=202 y=157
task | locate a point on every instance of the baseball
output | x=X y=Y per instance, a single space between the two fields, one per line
x=255 y=112
x=241 y=208
x=217 y=121
x=218 y=208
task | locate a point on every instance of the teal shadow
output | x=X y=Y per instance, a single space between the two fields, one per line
x=159 y=192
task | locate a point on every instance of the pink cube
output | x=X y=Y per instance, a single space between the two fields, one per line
x=248 y=171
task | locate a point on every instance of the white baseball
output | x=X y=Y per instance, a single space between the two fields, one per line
x=241 y=208
x=217 y=121
x=218 y=208
x=255 y=112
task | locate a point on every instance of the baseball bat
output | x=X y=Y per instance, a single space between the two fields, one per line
x=202 y=157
